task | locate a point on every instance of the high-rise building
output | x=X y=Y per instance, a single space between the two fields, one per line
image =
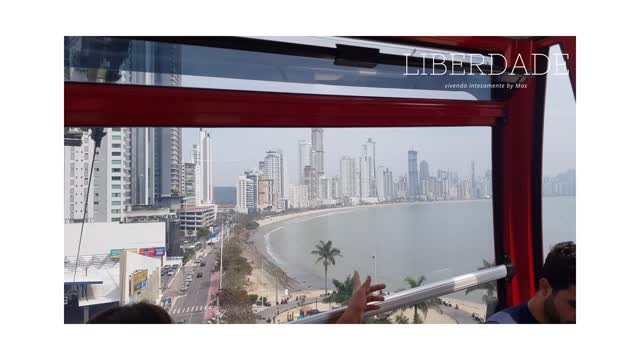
x=77 y=165
x=364 y=177
x=304 y=159
x=142 y=166
x=424 y=170
x=380 y=184
x=112 y=186
x=298 y=197
x=188 y=185
x=488 y=183
x=413 y=174
x=252 y=189
x=284 y=183
x=347 y=176
x=312 y=184
x=275 y=168
x=318 y=150
x=189 y=179
x=357 y=181
x=202 y=157
x=473 y=180
x=168 y=162
x=206 y=154
x=389 y=193
x=402 y=192
x=196 y=158
x=265 y=192
x=335 y=188
x=245 y=190
x=325 y=188
x=369 y=152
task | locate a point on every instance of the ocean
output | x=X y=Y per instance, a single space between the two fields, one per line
x=435 y=239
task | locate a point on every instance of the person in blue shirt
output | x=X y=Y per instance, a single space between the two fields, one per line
x=555 y=300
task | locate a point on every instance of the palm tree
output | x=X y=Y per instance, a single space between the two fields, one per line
x=343 y=291
x=489 y=287
x=424 y=306
x=489 y=298
x=401 y=319
x=327 y=254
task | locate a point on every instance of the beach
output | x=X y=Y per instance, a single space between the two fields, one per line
x=269 y=269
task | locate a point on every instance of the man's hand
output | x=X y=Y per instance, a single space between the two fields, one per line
x=360 y=300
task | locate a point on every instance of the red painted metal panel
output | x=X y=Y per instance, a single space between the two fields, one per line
x=517 y=160
x=124 y=105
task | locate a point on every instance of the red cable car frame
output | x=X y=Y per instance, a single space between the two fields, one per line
x=516 y=123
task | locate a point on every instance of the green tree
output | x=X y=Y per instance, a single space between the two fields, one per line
x=343 y=291
x=401 y=319
x=252 y=225
x=203 y=232
x=327 y=254
x=424 y=306
x=489 y=287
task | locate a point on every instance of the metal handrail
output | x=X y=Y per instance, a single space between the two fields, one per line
x=419 y=294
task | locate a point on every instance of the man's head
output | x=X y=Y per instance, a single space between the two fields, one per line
x=138 y=313
x=558 y=283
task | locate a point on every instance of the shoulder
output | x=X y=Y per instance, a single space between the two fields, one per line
x=502 y=317
x=512 y=315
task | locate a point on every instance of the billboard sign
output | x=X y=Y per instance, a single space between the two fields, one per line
x=138 y=281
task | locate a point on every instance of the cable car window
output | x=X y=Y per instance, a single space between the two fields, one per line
x=407 y=206
x=153 y=63
x=559 y=158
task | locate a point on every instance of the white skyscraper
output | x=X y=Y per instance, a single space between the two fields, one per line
x=318 y=150
x=77 y=164
x=242 y=190
x=206 y=154
x=275 y=169
x=380 y=183
x=112 y=186
x=196 y=159
x=389 y=193
x=357 y=179
x=369 y=152
x=364 y=177
x=347 y=176
x=284 y=174
x=304 y=159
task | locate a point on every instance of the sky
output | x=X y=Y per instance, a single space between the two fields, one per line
x=240 y=149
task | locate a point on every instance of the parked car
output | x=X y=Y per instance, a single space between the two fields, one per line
x=203 y=263
x=199 y=275
x=170 y=273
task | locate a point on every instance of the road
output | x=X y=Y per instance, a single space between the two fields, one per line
x=191 y=307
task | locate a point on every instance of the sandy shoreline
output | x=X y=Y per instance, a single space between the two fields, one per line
x=280 y=218
x=266 y=271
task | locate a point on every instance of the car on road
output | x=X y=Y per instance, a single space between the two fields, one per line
x=199 y=275
x=175 y=266
x=203 y=263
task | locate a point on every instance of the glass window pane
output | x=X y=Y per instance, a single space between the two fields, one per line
x=122 y=61
x=559 y=158
x=408 y=206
